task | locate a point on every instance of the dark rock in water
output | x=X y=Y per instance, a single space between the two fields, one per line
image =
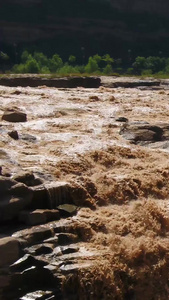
x=121 y=119
x=13 y=134
x=142 y=132
x=27 y=137
x=14 y=116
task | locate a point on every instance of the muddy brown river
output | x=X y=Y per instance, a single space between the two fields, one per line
x=111 y=142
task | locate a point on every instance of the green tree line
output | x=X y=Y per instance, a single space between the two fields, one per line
x=39 y=63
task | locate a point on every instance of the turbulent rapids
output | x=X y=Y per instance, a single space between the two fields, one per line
x=84 y=205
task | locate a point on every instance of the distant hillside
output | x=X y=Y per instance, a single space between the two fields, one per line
x=122 y=28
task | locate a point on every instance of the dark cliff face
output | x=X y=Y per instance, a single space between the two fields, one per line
x=119 y=27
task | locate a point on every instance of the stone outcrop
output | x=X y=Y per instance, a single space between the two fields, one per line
x=26 y=199
x=67 y=82
x=39 y=257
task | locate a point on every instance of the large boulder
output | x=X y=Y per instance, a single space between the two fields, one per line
x=137 y=132
x=9 y=251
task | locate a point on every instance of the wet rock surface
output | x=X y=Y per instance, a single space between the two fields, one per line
x=84 y=211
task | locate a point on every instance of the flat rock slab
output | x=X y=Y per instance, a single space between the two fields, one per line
x=39 y=216
x=34 y=235
x=72 y=82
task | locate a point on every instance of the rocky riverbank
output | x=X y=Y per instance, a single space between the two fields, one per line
x=84 y=211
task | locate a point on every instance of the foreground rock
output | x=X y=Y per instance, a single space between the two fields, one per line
x=9 y=251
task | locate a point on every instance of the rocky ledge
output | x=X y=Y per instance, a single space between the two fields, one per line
x=38 y=256
x=67 y=82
